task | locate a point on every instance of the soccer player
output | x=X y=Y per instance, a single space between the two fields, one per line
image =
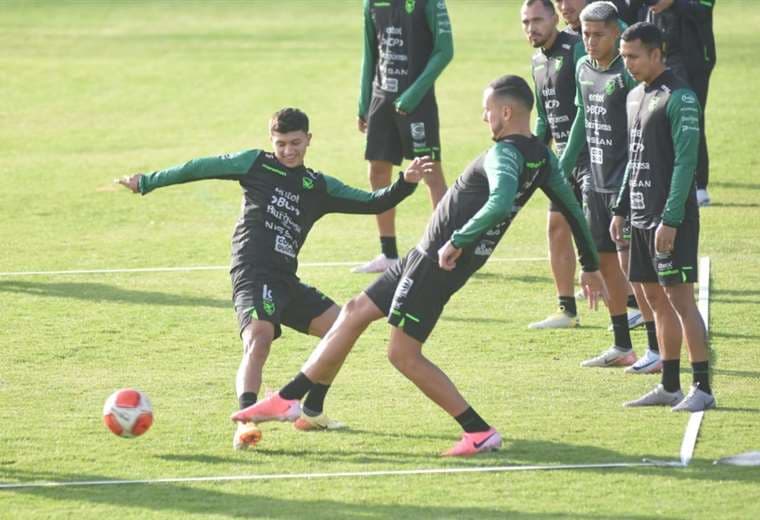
x=462 y=233
x=658 y=192
x=571 y=12
x=553 y=68
x=282 y=199
x=689 y=47
x=600 y=127
x=407 y=44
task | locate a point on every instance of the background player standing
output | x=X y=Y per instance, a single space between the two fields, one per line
x=600 y=128
x=659 y=194
x=407 y=44
x=553 y=70
x=282 y=199
x=689 y=47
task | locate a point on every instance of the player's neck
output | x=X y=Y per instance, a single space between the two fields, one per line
x=605 y=62
x=550 y=42
x=514 y=128
x=654 y=76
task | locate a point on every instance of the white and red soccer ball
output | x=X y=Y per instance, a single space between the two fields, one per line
x=128 y=413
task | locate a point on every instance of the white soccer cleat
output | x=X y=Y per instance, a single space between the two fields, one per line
x=650 y=363
x=657 y=397
x=580 y=295
x=377 y=265
x=247 y=435
x=703 y=198
x=317 y=422
x=558 y=320
x=695 y=401
x=612 y=357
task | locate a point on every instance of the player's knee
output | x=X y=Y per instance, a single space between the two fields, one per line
x=257 y=344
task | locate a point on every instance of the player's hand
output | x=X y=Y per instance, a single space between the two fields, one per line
x=616 y=230
x=661 y=6
x=664 y=238
x=418 y=168
x=361 y=124
x=593 y=287
x=447 y=256
x=131 y=182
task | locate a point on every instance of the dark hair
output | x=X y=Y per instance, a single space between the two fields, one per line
x=289 y=120
x=546 y=3
x=649 y=34
x=514 y=87
x=600 y=12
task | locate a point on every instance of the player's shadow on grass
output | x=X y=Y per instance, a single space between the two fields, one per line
x=100 y=292
x=740 y=185
x=506 y=278
x=253 y=500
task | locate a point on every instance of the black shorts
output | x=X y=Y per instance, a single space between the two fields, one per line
x=276 y=298
x=392 y=136
x=579 y=181
x=413 y=293
x=679 y=266
x=597 y=207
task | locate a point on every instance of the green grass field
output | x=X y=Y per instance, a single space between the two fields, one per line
x=92 y=90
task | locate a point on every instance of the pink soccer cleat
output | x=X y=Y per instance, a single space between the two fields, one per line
x=273 y=408
x=473 y=443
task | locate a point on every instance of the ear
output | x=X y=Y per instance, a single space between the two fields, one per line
x=506 y=111
x=308 y=139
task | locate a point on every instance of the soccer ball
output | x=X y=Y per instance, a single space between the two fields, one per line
x=128 y=413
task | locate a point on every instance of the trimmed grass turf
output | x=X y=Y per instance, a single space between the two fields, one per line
x=94 y=90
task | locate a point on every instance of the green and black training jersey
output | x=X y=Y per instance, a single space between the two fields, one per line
x=280 y=204
x=481 y=204
x=554 y=79
x=600 y=125
x=663 y=139
x=407 y=44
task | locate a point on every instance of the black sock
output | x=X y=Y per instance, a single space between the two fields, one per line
x=632 y=303
x=388 y=247
x=315 y=400
x=297 y=388
x=567 y=305
x=246 y=399
x=701 y=376
x=671 y=370
x=652 y=336
x=471 y=422
x=620 y=329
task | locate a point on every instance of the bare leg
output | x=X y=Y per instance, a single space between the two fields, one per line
x=666 y=320
x=325 y=362
x=322 y=323
x=257 y=340
x=405 y=353
x=380 y=173
x=616 y=282
x=436 y=184
x=638 y=291
x=681 y=298
x=561 y=253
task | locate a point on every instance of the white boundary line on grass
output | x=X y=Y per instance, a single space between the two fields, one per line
x=691 y=433
x=338 y=474
x=687 y=445
x=212 y=268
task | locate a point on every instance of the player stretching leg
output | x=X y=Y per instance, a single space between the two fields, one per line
x=462 y=233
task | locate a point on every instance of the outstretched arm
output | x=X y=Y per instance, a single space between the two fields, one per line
x=342 y=198
x=229 y=166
